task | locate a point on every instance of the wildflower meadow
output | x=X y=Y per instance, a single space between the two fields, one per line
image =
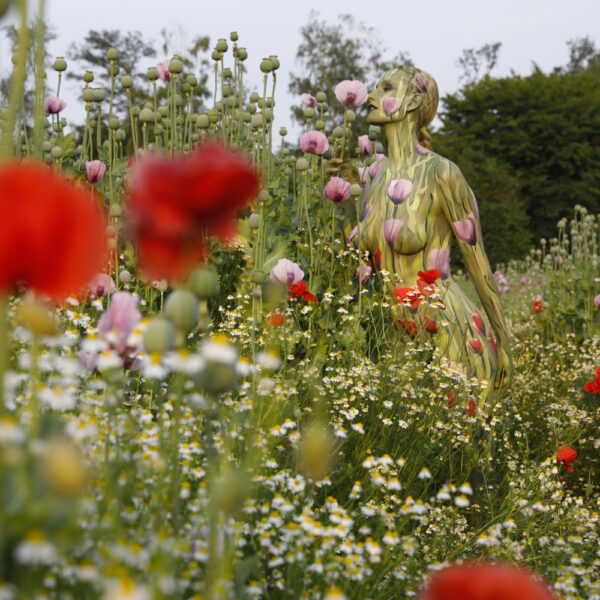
x=207 y=392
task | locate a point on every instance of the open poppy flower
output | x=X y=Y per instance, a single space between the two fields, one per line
x=593 y=387
x=299 y=290
x=565 y=456
x=431 y=325
x=537 y=307
x=408 y=296
x=430 y=276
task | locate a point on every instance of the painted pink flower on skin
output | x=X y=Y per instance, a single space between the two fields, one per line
x=337 y=190
x=162 y=70
x=309 y=100
x=439 y=259
x=365 y=145
x=117 y=323
x=54 y=105
x=399 y=190
x=363 y=173
x=101 y=285
x=466 y=230
x=94 y=171
x=422 y=150
x=391 y=228
x=286 y=272
x=478 y=323
x=421 y=83
x=351 y=93
x=314 y=142
x=363 y=273
x=390 y=105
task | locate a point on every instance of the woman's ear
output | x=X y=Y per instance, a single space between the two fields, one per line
x=414 y=102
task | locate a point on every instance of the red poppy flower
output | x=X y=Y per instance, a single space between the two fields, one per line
x=478 y=323
x=537 y=307
x=274 y=319
x=472 y=407
x=427 y=289
x=565 y=456
x=430 y=275
x=299 y=290
x=411 y=328
x=51 y=233
x=593 y=387
x=409 y=296
x=484 y=582
x=475 y=345
x=377 y=258
x=174 y=204
x=431 y=325
x=492 y=341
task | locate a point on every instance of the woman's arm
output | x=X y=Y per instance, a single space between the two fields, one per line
x=460 y=209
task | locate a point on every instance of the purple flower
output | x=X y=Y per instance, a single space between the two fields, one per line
x=374 y=168
x=363 y=173
x=286 y=272
x=421 y=83
x=391 y=228
x=466 y=230
x=390 y=105
x=558 y=260
x=439 y=258
x=162 y=70
x=399 y=190
x=367 y=210
x=94 y=171
x=309 y=100
x=118 y=321
x=364 y=145
x=363 y=273
x=101 y=285
x=53 y=105
x=421 y=150
x=597 y=301
x=351 y=93
x=337 y=190
x=314 y=142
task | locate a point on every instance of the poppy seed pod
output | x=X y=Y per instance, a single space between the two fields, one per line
x=216 y=55
x=192 y=80
x=338 y=132
x=321 y=96
x=242 y=54
x=88 y=77
x=125 y=276
x=146 y=115
x=221 y=45
x=181 y=308
x=127 y=81
x=204 y=283
x=151 y=74
x=60 y=64
x=113 y=123
x=233 y=36
x=254 y=221
x=175 y=66
x=159 y=335
x=115 y=210
x=266 y=66
x=355 y=189
x=309 y=112
x=98 y=94
x=350 y=115
x=275 y=62
x=282 y=131
x=301 y=164
x=227 y=74
x=112 y=53
x=203 y=121
x=88 y=95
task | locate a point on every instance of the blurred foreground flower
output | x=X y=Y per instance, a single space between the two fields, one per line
x=52 y=232
x=174 y=204
x=485 y=582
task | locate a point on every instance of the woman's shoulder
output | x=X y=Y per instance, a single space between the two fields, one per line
x=445 y=169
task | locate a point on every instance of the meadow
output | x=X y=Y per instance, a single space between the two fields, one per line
x=201 y=419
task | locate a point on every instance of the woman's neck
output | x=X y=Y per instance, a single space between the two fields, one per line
x=402 y=137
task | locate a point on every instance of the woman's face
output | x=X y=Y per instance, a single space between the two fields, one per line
x=388 y=101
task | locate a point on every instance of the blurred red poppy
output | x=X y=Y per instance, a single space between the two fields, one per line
x=537 y=307
x=411 y=328
x=299 y=290
x=593 y=387
x=175 y=204
x=408 y=296
x=485 y=582
x=274 y=319
x=52 y=232
x=430 y=275
x=565 y=456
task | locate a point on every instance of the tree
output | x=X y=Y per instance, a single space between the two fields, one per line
x=330 y=53
x=582 y=54
x=476 y=64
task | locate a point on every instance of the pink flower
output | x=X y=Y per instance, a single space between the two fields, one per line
x=363 y=173
x=53 y=105
x=597 y=301
x=391 y=227
x=421 y=83
x=421 y=150
x=162 y=70
x=286 y=272
x=399 y=190
x=101 y=285
x=374 y=168
x=466 y=230
x=439 y=258
x=314 y=142
x=94 y=171
x=337 y=190
x=364 y=145
x=351 y=93
x=309 y=100
x=363 y=273
x=390 y=105
x=117 y=323
x=558 y=260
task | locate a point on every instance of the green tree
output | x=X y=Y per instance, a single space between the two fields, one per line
x=330 y=53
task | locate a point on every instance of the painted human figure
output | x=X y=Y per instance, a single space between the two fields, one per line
x=416 y=201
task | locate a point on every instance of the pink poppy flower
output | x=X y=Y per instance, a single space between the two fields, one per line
x=363 y=273
x=597 y=301
x=421 y=83
x=466 y=230
x=364 y=145
x=391 y=228
x=439 y=259
x=101 y=285
x=390 y=105
x=398 y=190
x=314 y=142
x=94 y=171
x=337 y=190
x=309 y=100
x=374 y=168
x=286 y=272
x=54 y=105
x=351 y=93
x=117 y=323
x=162 y=70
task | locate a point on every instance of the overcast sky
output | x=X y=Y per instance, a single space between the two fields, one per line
x=433 y=32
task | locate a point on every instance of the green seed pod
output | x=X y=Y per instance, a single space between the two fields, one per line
x=186 y=88
x=275 y=62
x=213 y=116
x=350 y=115
x=181 y=307
x=338 y=132
x=379 y=148
x=112 y=53
x=113 y=123
x=268 y=115
x=258 y=277
x=324 y=107
x=125 y=276
x=203 y=121
x=127 y=81
x=146 y=115
x=88 y=77
x=56 y=152
x=266 y=66
x=375 y=129
x=328 y=154
x=204 y=283
x=355 y=189
x=163 y=110
x=121 y=135
x=135 y=111
x=88 y=94
x=233 y=36
x=242 y=54
x=282 y=131
x=254 y=97
x=158 y=130
x=151 y=74
x=175 y=66
x=115 y=210
x=301 y=164
x=226 y=91
x=261 y=103
x=263 y=196
x=257 y=121
x=309 y=112
x=98 y=94
x=216 y=55
x=227 y=73
x=254 y=221
x=192 y=80
x=46 y=146
x=321 y=96
x=230 y=102
x=113 y=70
x=60 y=64
x=221 y=45
x=373 y=136
x=148 y=105
x=178 y=100
x=251 y=108
x=246 y=117
x=159 y=335
x=219 y=106
x=320 y=124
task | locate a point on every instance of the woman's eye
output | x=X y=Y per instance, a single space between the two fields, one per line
x=387 y=87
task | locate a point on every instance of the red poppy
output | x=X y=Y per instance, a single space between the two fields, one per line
x=174 y=204
x=377 y=258
x=411 y=328
x=537 y=307
x=430 y=275
x=565 y=456
x=475 y=345
x=472 y=407
x=275 y=319
x=299 y=289
x=492 y=341
x=451 y=400
x=51 y=233
x=431 y=325
x=478 y=323
x=427 y=289
x=593 y=387
x=484 y=582
x=409 y=296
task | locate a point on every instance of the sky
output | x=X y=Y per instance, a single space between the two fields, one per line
x=434 y=33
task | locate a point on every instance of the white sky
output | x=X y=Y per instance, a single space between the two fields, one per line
x=433 y=32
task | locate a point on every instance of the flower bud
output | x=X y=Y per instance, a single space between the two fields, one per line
x=242 y=54
x=127 y=81
x=181 y=308
x=88 y=77
x=203 y=282
x=60 y=64
x=175 y=66
x=254 y=221
x=266 y=66
x=159 y=335
x=355 y=189
x=321 y=96
x=301 y=164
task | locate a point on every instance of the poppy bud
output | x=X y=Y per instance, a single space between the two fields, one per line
x=159 y=335
x=321 y=96
x=60 y=64
x=204 y=283
x=175 y=66
x=181 y=308
x=127 y=81
x=88 y=77
x=301 y=164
